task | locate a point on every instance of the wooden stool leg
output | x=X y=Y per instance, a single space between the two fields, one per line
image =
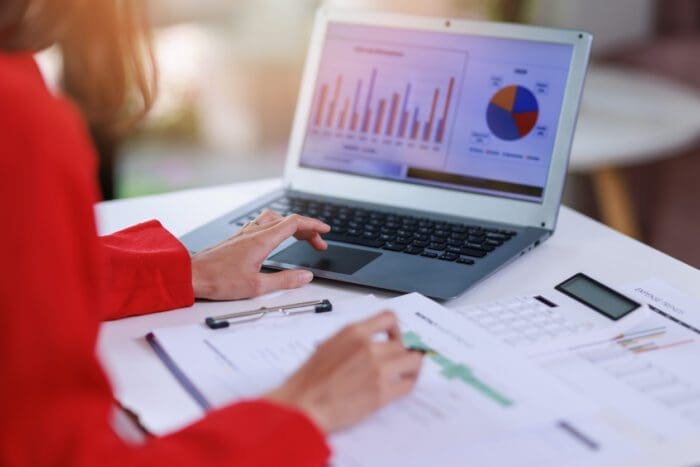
x=614 y=201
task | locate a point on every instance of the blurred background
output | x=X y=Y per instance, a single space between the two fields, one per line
x=230 y=72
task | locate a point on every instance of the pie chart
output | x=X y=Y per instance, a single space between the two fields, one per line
x=512 y=113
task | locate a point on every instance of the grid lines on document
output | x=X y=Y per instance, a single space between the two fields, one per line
x=523 y=321
x=626 y=359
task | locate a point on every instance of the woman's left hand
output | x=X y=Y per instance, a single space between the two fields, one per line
x=231 y=269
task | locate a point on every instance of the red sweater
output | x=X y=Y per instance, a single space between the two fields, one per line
x=59 y=280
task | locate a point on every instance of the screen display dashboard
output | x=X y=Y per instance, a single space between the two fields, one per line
x=462 y=112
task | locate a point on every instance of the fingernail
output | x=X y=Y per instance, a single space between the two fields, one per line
x=305 y=277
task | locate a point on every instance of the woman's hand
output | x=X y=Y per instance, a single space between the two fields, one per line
x=231 y=269
x=352 y=375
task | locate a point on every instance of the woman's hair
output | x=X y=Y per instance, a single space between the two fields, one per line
x=108 y=64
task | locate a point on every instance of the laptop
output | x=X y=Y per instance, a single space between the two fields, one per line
x=435 y=148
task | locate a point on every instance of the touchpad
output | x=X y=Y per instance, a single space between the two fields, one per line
x=335 y=259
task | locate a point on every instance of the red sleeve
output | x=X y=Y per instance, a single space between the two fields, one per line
x=146 y=269
x=56 y=403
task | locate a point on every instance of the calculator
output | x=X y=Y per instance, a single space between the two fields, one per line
x=579 y=306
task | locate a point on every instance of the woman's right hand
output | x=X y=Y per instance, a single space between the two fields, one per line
x=352 y=374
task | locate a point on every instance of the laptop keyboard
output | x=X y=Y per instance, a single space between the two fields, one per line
x=435 y=239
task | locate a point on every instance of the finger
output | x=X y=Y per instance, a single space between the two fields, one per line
x=283 y=280
x=292 y=225
x=387 y=350
x=400 y=369
x=266 y=219
x=407 y=364
x=267 y=216
x=386 y=321
x=399 y=388
x=314 y=240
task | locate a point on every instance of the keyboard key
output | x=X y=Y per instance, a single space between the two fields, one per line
x=463 y=260
x=374 y=243
x=497 y=236
x=473 y=253
x=448 y=257
x=395 y=246
x=413 y=250
x=429 y=254
x=437 y=246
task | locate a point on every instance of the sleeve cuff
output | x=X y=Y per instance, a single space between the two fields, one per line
x=263 y=433
x=148 y=270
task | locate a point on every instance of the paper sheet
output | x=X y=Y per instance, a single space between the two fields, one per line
x=648 y=379
x=476 y=398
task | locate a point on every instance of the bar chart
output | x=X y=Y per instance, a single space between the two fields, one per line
x=357 y=107
x=378 y=107
x=457 y=371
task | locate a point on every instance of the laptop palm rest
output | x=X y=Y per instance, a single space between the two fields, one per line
x=337 y=259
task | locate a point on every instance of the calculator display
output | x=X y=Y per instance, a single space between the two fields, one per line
x=597 y=296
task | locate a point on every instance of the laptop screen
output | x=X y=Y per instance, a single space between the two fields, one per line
x=461 y=112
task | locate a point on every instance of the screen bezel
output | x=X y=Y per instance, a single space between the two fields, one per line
x=560 y=287
x=424 y=197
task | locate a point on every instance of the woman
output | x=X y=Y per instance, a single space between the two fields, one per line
x=59 y=279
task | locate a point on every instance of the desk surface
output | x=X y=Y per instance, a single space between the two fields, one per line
x=141 y=382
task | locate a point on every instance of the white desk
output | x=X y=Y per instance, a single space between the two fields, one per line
x=142 y=382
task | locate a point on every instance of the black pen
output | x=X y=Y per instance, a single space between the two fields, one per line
x=223 y=321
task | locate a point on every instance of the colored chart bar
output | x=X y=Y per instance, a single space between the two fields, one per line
x=386 y=114
x=321 y=104
x=404 y=111
x=356 y=99
x=416 y=124
x=365 y=121
x=404 y=123
x=445 y=111
x=380 y=116
x=334 y=102
x=392 y=114
x=429 y=124
x=344 y=113
x=456 y=371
